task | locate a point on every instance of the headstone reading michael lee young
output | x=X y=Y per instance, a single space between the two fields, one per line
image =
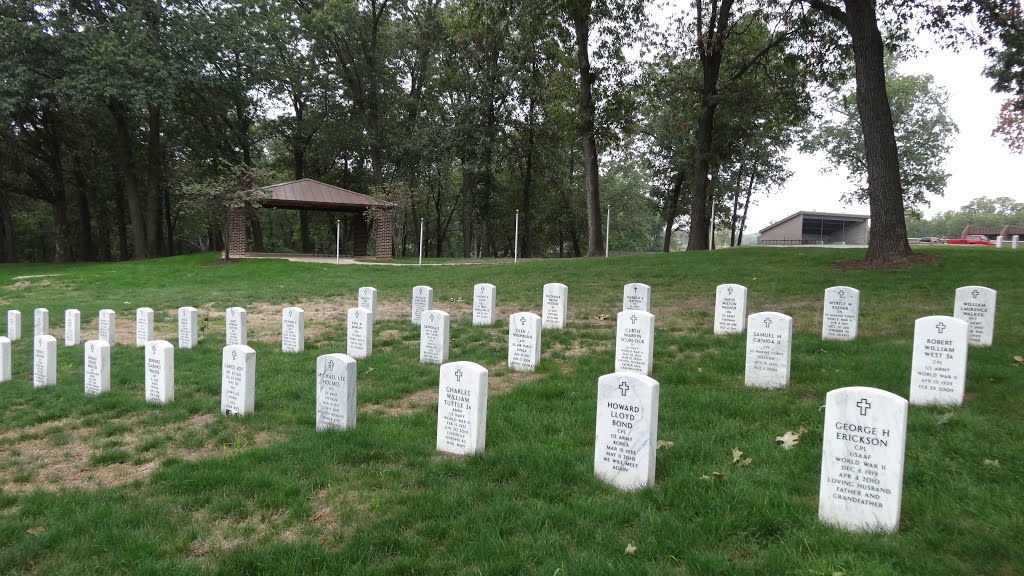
x=627 y=429
x=44 y=361
x=939 y=368
x=40 y=322
x=434 y=326
x=143 y=326
x=359 y=335
x=634 y=342
x=5 y=359
x=636 y=296
x=159 y=372
x=72 y=327
x=367 y=299
x=484 y=296
x=462 y=408
x=524 y=341
x=335 y=391
x=840 y=314
x=976 y=305
x=422 y=300
x=97 y=367
x=862 y=456
x=730 y=308
x=13 y=325
x=236 y=328
x=769 y=347
x=188 y=327
x=293 y=329
x=555 y=305
x=238 y=380
x=107 y=328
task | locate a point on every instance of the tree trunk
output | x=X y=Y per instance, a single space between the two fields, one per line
x=126 y=167
x=746 y=205
x=58 y=196
x=527 y=250
x=123 y=250
x=10 y=253
x=671 y=209
x=154 y=197
x=257 y=233
x=581 y=21
x=466 y=216
x=86 y=248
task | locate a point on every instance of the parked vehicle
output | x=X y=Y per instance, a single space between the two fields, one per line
x=973 y=239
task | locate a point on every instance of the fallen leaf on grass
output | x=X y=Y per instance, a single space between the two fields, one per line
x=36 y=530
x=992 y=463
x=943 y=418
x=738 y=459
x=665 y=444
x=601 y=317
x=802 y=429
x=630 y=549
x=789 y=439
x=700 y=369
x=714 y=476
x=1019 y=359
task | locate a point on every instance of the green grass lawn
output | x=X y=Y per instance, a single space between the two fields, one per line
x=111 y=485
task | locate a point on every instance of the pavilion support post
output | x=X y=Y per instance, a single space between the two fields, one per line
x=360 y=235
x=236 y=234
x=384 y=225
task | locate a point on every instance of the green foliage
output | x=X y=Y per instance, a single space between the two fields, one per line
x=982 y=211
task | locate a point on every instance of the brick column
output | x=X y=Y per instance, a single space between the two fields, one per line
x=384 y=233
x=236 y=233
x=360 y=235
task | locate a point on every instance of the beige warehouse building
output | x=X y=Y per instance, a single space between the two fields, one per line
x=816 y=228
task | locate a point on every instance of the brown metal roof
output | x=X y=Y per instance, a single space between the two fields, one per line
x=309 y=194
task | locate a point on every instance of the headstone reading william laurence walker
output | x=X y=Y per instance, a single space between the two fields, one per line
x=976 y=305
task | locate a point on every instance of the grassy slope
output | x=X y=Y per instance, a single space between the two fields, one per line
x=274 y=496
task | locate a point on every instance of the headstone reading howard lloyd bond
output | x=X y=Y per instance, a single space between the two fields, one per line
x=939 y=368
x=335 y=391
x=238 y=380
x=730 y=308
x=293 y=329
x=484 y=296
x=359 y=335
x=367 y=299
x=524 y=341
x=188 y=327
x=5 y=359
x=634 y=342
x=636 y=296
x=839 y=318
x=143 y=326
x=72 y=327
x=462 y=408
x=40 y=322
x=555 y=305
x=13 y=325
x=862 y=457
x=97 y=367
x=976 y=305
x=107 y=328
x=627 y=429
x=434 y=327
x=236 y=329
x=422 y=300
x=44 y=361
x=769 y=347
x=159 y=372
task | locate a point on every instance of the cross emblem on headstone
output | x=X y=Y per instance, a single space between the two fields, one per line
x=431 y=317
x=864 y=406
x=842 y=293
x=483 y=289
x=458 y=375
x=290 y=312
x=767 y=322
x=624 y=387
x=92 y=347
x=153 y=348
x=330 y=365
x=421 y=291
x=636 y=289
x=940 y=327
x=357 y=314
x=729 y=290
x=975 y=293
x=234 y=355
x=523 y=320
x=633 y=318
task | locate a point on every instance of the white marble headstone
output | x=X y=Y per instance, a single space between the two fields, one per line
x=238 y=380
x=72 y=327
x=293 y=329
x=840 y=314
x=938 y=372
x=555 y=305
x=40 y=322
x=434 y=330
x=769 y=350
x=862 y=455
x=107 y=328
x=636 y=296
x=730 y=308
x=5 y=359
x=44 y=361
x=188 y=327
x=359 y=335
x=97 y=367
x=484 y=296
x=422 y=300
x=335 y=391
x=13 y=325
x=367 y=299
x=976 y=305
x=143 y=326
x=626 y=442
x=462 y=408
x=159 y=372
x=634 y=342
x=1014 y=241
x=524 y=329
x=999 y=241
x=236 y=329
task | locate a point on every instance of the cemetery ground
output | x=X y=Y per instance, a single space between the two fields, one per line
x=109 y=484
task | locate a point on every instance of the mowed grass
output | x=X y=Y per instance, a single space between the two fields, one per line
x=112 y=485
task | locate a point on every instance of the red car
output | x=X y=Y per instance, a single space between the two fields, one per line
x=977 y=239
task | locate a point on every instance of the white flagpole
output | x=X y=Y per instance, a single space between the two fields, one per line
x=421 y=241
x=515 y=249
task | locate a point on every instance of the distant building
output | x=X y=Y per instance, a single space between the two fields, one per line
x=817 y=228
x=993 y=232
